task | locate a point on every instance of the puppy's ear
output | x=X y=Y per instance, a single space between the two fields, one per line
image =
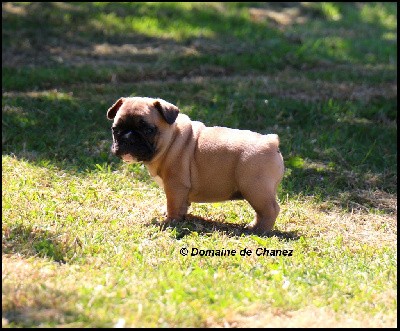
x=167 y=110
x=112 y=111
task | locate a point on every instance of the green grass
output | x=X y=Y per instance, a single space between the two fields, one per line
x=80 y=233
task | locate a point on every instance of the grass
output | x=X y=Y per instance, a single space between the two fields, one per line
x=80 y=233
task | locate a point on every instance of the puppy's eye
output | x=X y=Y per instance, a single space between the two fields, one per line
x=116 y=131
x=149 y=130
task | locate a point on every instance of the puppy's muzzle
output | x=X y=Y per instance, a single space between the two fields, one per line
x=123 y=143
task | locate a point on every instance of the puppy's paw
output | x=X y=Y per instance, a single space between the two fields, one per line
x=169 y=221
x=257 y=228
x=163 y=211
x=164 y=224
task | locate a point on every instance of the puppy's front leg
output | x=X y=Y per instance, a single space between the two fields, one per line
x=177 y=204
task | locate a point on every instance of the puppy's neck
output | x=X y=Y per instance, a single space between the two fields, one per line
x=153 y=165
x=180 y=133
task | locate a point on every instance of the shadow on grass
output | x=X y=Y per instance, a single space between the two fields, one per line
x=31 y=241
x=71 y=134
x=67 y=35
x=204 y=226
x=39 y=314
x=47 y=30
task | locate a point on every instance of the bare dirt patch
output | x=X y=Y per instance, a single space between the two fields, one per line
x=287 y=16
x=283 y=14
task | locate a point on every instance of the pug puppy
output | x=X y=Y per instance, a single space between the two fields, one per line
x=196 y=163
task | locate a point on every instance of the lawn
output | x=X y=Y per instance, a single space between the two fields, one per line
x=81 y=244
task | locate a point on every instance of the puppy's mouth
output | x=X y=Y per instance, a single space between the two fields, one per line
x=127 y=158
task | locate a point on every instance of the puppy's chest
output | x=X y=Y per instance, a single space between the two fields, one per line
x=159 y=181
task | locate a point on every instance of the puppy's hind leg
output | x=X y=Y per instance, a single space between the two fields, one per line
x=263 y=200
x=265 y=217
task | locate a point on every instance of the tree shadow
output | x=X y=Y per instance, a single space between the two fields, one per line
x=51 y=32
x=68 y=133
x=32 y=241
x=40 y=305
x=38 y=314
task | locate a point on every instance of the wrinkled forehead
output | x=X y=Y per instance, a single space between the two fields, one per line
x=133 y=111
x=133 y=108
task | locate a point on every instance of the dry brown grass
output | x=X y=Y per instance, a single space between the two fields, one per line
x=310 y=317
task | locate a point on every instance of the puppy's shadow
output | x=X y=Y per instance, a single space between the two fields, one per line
x=203 y=226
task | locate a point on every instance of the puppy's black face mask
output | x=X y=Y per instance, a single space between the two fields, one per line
x=135 y=138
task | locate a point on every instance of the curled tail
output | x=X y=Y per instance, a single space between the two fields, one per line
x=274 y=140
